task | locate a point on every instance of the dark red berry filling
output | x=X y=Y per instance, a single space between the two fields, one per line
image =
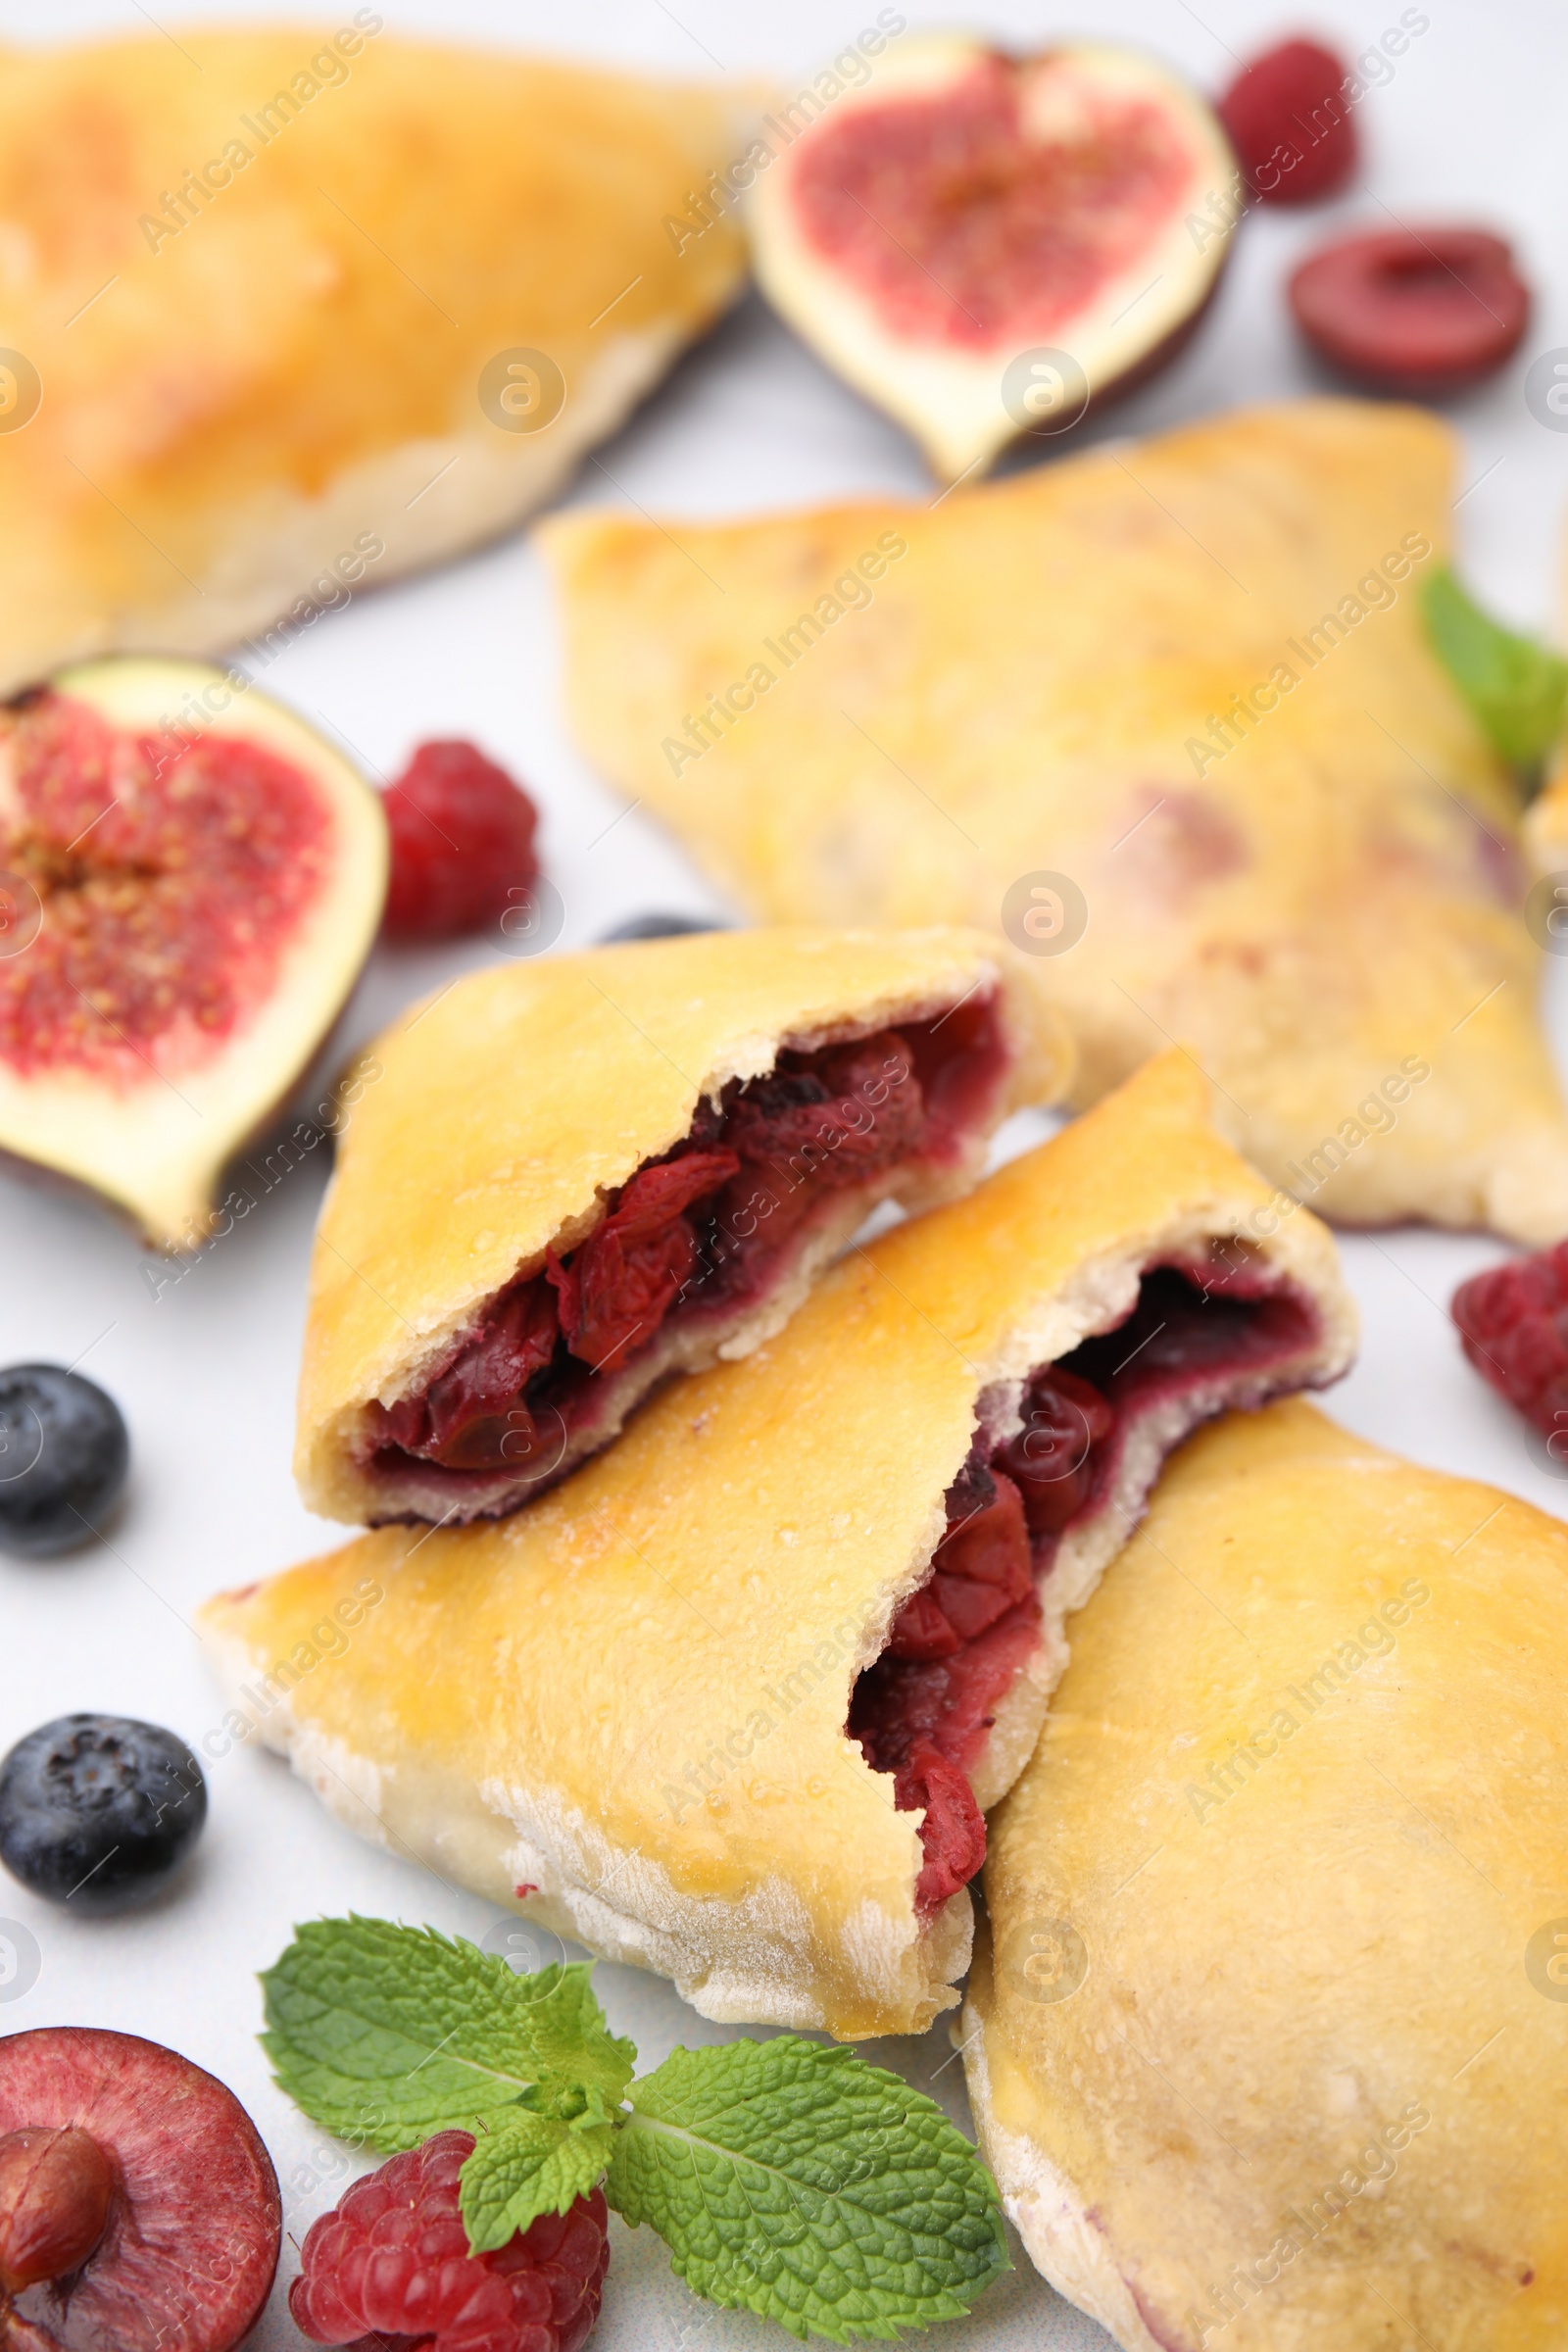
x=924 y=1710
x=703 y=1233
x=1513 y=1325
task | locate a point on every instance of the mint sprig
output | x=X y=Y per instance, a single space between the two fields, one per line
x=803 y=2184
x=787 y=2179
x=1517 y=690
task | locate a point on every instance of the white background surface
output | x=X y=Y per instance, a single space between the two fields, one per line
x=1469 y=129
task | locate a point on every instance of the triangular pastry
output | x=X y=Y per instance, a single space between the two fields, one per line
x=1166 y=714
x=731 y=1703
x=260 y=294
x=1265 y=2042
x=563 y=1179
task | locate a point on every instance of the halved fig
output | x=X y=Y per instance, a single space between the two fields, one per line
x=190 y=881
x=138 y=2208
x=987 y=245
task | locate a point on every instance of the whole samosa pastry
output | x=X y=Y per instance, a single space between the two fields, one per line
x=563 y=1180
x=284 y=310
x=1267 y=2040
x=1166 y=714
x=732 y=1701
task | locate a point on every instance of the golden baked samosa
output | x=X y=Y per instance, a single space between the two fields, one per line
x=1166 y=714
x=283 y=310
x=1267 y=2038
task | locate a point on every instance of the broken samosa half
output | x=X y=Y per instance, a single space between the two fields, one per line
x=1265 y=2040
x=291 y=313
x=731 y=1703
x=1165 y=713
x=565 y=1179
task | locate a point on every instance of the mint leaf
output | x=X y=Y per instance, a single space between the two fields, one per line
x=531 y=2164
x=386 y=2034
x=1516 y=690
x=801 y=2184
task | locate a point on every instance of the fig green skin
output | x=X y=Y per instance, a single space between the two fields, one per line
x=99 y=1811
x=64 y=1454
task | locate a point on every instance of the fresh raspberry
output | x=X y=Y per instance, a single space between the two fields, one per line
x=461 y=841
x=1290 y=122
x=390 y=2271
x=1513 y=1323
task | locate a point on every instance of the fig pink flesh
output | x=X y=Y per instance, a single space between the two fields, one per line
x=192 y=2241
x=959 y=224
x=171 y=875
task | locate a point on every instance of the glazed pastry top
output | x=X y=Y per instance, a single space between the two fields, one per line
x=1272 y=1911
x=259 y=274
x=1190 y=676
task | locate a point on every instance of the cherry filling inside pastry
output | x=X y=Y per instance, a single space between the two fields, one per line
x=702 y=1234
x=1198 y=1337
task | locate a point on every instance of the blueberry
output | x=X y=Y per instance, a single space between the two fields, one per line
x=657 y=926
x=64 y=1454
x=98 y=1811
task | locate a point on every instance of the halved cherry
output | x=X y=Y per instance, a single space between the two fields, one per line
x=139 y=2209
x=1419 y=312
